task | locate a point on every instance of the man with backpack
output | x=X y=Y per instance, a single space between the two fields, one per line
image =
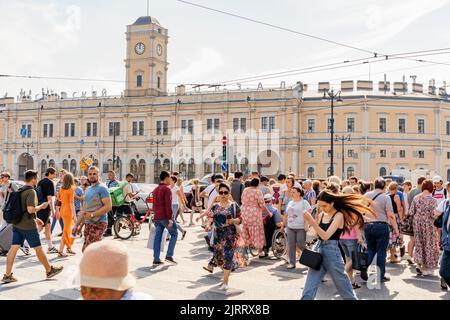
x=46 y=191
x=20 y=210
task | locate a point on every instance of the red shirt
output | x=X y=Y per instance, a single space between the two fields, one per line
x=162 y=202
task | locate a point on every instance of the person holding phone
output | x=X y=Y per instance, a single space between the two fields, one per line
x=225 y=215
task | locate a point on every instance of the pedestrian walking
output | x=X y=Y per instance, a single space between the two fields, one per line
x=94 y=212
x=225 y=215
x=196 y=202
x=397 y=208
x=104 y=273
x=444 y=270
x=67 y=196
x=376 y=230
x=264 y=186
x=426 y=239
x=296 y=225
x=177 y=201
x=339 y=212
x=310 y=194
x=111 y=182
x=26 y=228
x=163 y=219
x=251 y=213
x=237 y=187
x=58 y=203
x=269 y=217
x=286 y=195
x=79 y=197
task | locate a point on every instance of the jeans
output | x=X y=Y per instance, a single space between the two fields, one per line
x=377 y=239
x=61 y=223
x=332 y=263
x=444 y=270
x=175 y=207
x=160 y=225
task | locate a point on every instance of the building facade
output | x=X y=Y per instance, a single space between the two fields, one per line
x=273 y=130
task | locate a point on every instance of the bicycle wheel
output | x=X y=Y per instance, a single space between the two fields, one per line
x=124 y=227
x=279 y=244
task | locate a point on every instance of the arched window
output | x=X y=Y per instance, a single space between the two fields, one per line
x=383 y=171
x=182 y=168
x=134 y=167
x=65 y=164
x=350 y=172
x=51 y=163
x=191 y=169
x=141 y=172
x=207 y=167
x=217 y=165
x=73 y=167
x=166 y=164
x=43 y=167
x=310 y=173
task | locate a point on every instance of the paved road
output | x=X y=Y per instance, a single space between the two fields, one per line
x=263 y=279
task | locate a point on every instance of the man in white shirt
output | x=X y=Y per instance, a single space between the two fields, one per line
x=439 y=192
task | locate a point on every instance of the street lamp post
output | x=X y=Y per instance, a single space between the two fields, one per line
x=114 y=146
x=157 y=142
x=27 y=145
x=343 y=138
x=332 y=96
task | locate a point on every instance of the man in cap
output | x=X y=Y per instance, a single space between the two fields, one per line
x=104 y=273
x=439 y=192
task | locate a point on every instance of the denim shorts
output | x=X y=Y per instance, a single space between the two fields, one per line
x=32 y=237
x=349 y=245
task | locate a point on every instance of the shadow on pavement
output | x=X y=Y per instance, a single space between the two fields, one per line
x=216 y=294
x=144 y=272
x=62 y=294
x=285 y=274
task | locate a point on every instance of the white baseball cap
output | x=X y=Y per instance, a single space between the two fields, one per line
x=268 y=197
x=437 y=179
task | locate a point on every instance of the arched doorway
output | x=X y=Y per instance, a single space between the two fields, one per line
x=25 y=163
x=166 y=165
x=383 y=171
x=43 y=167
x=73 y=167
x=51 y=163
x=310 y=173
x=245 y=169
x=207 y=167
x=141 y=171
x=134 y=167
x=217 y=165
x=191 y=169
x=350 y=172
x=65 y=164
x=182 y=168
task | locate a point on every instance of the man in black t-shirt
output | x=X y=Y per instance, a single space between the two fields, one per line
x=47 y=192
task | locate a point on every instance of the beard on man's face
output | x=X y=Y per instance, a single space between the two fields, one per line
x=93 y=179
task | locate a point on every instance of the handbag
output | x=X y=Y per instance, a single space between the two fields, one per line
x=438 y=221
x=360 y=259
x=406 y=227
x=311 y=258
x=151 y=237
x=239 y=228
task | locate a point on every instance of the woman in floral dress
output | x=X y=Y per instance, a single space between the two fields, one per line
x=251 y=212
x=426 y=239
x=228 y=245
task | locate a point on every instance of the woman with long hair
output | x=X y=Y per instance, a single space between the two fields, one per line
x=395 y=241
x=66 y=213
x=339 y=213
x=196 y=201
x=225 y=215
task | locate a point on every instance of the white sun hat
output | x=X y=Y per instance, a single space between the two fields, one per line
x=105 y=265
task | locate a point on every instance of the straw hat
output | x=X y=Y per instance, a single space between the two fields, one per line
x=105 y=265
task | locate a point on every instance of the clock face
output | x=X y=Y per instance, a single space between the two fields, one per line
x=159 y=49
x=139 y=48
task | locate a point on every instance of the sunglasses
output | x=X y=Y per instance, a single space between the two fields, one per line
x=223 y=193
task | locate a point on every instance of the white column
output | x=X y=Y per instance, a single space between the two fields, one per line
x=295 y=122
x=437 y=125
x=295 y=159
x=283 y=122
x=15 y=133
x=437 y=160
x=283 y=159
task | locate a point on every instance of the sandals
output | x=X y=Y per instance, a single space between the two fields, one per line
x=356 y=286
x=62 y=255
x=410 y=262
x=210 y=270
x=69 y=251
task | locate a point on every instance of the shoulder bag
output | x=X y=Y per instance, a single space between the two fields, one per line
x=360 y=259
x=238 y=227
x=311 y=258
x=439 y=220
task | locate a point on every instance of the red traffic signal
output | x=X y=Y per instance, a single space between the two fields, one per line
x=224 y=140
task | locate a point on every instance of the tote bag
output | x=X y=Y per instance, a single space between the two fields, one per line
x=151 y=237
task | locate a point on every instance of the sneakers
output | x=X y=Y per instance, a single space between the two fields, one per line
x=52 y=250
x=183 y=234
x=402 y=251
x=157 y=263
x=444 y=285
x=385 y=279
x=223 y=287
x=170 y=259
x=54 y=271
x=419 y=272
x=290 y=266
x=364 y=274
x=9 y=279
x=25 y=250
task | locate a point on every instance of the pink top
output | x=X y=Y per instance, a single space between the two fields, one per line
x=351 y=236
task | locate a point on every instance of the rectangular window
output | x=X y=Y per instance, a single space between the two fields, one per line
x=134 y=131
x=114 y=126
x=271 y=124
x=209 y=124
x=50 y=130
x=69 y=129
x=421 y=154
x=243 y=124
x=264 y=123
x=190 y=126
x=329 y=153
x=66 y=129
x=165 y=127
x=159 y=82
x=402 y=153
x=383 y=124
x=350 y=153
x=72 y=129
x=183 y=126
x=235 y=124
x=382 y=153
x=94 y=129
x=141 y=128
x=45 y=130
x=421 y=126
x=311 y=125
x=158 y=128
x=310 y=153
x=88 y=129
x=447 y=127
x=216 y=125
x=139 y=81
x=402 y=125
x=448 y=155
x=351 y=125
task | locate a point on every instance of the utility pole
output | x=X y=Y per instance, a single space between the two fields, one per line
x=157 y=142
x=114 y=145
x=332 y=96
x=343 y=139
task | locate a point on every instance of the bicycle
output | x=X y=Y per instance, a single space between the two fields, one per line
x=127 y=226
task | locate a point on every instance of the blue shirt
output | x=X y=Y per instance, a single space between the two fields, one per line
x=78 y=193
x=274 y=211
x=93 y=198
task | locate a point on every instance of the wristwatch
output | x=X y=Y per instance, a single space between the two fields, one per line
x=92 y=216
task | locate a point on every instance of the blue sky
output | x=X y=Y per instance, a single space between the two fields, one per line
x=85 y=39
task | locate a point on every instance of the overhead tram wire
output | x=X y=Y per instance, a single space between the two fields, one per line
x=374 y=53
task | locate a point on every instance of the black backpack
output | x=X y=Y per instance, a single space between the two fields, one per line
x=13 y=211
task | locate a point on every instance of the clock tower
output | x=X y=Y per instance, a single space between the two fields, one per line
x=146 y=62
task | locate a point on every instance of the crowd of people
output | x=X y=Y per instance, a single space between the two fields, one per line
x=336 y=218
